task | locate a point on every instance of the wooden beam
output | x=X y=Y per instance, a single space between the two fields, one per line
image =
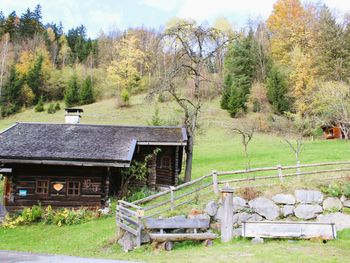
x=182 y=237
x=177 y=222
x=127 y=228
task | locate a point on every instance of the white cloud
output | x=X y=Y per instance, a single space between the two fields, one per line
x=102 y=19
x=164 y=5
x=205 y=10
x=72 y=13
x=343 y=5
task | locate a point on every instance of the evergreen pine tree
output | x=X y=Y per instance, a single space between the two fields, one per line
x=240 y=72
x=11 y=97
x=71 y=96
x=277 y=91
x=40 y=106
x=10 y=26
x=35 y=78
x=86 y=92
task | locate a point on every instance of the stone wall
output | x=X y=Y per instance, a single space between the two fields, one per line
x=302 y=205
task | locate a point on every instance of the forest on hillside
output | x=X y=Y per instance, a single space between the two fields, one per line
x=296 y=63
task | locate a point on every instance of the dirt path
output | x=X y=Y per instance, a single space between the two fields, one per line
x=23 y=257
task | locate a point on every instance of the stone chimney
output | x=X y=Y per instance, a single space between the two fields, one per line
x=73 y=116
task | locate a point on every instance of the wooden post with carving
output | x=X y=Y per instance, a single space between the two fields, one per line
x=227 y=214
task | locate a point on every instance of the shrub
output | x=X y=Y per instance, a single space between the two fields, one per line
x=333 y=190
x=277 y=90
x=125 y=97
x=49 y=216
x=256 y=106
x=331 y=210
x=57 y=107
x=346 y=190
x=156 y=119
x=86 y=92
x=139 y=193
x=71 y=95
x=346 y=210
x=51 y=109
x=161 y=98
x=249 y=193
x=40 y=106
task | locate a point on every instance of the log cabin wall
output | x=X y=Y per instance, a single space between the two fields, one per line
x=165 y=168
x=29 y=185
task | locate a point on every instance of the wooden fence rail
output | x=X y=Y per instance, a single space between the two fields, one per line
x=129 y=216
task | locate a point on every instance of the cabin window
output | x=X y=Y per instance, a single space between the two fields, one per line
x=42 y=187
x=73 y=188
x=164 y=162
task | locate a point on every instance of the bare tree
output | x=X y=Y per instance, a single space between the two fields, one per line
x=295 y=145
x=3 y=56
x=246 y=130
x=297 y=128
x=191 y=48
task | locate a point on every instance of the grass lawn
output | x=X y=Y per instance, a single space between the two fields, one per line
x=93 y=239
x=216 y=149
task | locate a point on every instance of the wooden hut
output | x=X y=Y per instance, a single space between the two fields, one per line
x=332 y=132
x=73 y=165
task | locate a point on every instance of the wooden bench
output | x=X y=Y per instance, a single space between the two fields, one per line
x=166 y=239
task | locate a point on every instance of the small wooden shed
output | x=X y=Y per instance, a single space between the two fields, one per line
x=73 y=165
x=332 y=132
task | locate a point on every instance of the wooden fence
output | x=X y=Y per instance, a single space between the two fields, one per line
x=129 y=216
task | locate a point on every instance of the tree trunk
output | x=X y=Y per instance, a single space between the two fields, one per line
x=3 y=60
x=189 y=157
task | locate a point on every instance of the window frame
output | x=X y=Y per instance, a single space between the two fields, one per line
x=41 y=187
x=68 y=188
x=163 y=160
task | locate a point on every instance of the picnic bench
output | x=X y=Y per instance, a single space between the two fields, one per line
x=169 y=230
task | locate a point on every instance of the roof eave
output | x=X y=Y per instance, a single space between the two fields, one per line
x=163 y=143
x=64 y=162
x=8 y=128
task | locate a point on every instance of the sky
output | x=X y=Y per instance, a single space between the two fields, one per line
x=108 y=15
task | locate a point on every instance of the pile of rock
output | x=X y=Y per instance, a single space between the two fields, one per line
x=303 y=205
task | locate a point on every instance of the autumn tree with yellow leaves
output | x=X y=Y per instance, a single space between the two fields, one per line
x=123 y=69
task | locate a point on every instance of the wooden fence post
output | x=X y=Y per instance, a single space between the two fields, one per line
x=139 y=215
x=298 y=167
x=280 y=174
x=227 y=214
x=172 y=198
x=215 y=182
x=117 y=218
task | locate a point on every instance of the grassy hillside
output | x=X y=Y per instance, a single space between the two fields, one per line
x=216 y=148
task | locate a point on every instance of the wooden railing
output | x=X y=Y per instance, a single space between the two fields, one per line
x=130 y=215
x=279 y=173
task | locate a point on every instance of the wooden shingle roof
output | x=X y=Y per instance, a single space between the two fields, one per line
x=81 y=144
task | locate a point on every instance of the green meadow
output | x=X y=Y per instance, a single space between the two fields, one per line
x=216 y=148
